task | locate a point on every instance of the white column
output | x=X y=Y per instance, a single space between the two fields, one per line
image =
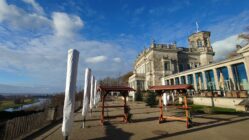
x=204 y=80
x=173 y=98
x=186 y=79
x=163 y=81
x=180 y=80
x=195 y=84
x=86 y=95
x=92 y=93
x=70 y=89
x=231 y=77
x=216 y=79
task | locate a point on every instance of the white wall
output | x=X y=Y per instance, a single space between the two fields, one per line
x=218 y=101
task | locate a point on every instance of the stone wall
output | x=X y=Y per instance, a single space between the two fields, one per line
x=218 y=101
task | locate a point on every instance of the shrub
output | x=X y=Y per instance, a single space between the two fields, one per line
x=138 y=96
x=151 y=99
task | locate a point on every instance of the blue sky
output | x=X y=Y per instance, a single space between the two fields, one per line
x=36 y=34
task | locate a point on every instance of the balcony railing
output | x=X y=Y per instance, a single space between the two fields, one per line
x=140 y=74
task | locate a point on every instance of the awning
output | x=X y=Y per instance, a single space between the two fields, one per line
x=115 y=88
x=171 y=87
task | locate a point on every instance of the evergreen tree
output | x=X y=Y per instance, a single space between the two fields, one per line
x=151 y=99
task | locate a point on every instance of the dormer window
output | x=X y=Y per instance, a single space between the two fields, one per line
x=199 y=43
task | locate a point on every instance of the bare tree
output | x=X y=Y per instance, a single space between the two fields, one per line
x=245 y=36
x=116 y=81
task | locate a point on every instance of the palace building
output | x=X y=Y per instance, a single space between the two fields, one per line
x=160 y=60
x=168 y=64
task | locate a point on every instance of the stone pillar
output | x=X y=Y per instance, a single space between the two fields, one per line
x=195 y=84
x=186 y=79
x=180 y=80
x=70 y=89
x=204 y=80
x=163 y=82
x=216 y=79
x=231 y=77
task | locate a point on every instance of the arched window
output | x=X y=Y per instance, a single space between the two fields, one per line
x=199 y=43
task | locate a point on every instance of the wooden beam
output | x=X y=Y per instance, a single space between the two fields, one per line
x=174 y=118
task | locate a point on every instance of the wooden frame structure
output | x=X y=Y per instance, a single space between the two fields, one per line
x=123 y=90
x=160 y=90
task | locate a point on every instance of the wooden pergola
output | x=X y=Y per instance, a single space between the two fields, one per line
x=123 y=90
x=160 y=90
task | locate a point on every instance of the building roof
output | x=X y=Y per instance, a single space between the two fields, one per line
x=115 y=88
x=200 y=32
x=171 y=87
x=244 y=49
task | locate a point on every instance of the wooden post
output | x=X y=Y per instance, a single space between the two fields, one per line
x=186 y=109
x=125 y=110
x=103 y=105
x=161 y=107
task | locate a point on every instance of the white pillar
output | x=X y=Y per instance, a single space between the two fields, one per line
x=231 y=77
x=95 y=93
x=216 y=79
x=70 y=89
x=195 y=82
x=133 y=95
x=186 y=79
x=163 y=81
x=173 y=97
x=204 y=80
x=87 y=91
x=92 y=92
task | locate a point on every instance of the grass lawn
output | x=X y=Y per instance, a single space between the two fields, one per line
x=10 y=104
x=200 y=109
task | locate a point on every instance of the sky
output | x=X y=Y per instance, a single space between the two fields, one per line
x=35 y=35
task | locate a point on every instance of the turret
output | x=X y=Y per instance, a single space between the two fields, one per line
x=201 y=42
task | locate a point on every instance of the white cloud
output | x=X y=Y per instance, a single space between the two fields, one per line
x=96 y=59
x=43 y=58
x=224 y=27
x=35 y=5
x=117 y=59
x=223 y=47
x=66 y=25
x=19 y=18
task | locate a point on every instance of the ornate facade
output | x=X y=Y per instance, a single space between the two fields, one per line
x=226 y=75
x=160 y=60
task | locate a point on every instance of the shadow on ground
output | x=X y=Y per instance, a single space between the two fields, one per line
x=114 y=133
x=208 y=125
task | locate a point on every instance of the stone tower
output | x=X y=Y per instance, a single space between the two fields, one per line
x=200 y=41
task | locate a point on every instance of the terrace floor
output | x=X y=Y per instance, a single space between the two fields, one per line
x=144 y=125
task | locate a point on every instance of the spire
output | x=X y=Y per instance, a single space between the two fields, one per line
x=197 y=27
